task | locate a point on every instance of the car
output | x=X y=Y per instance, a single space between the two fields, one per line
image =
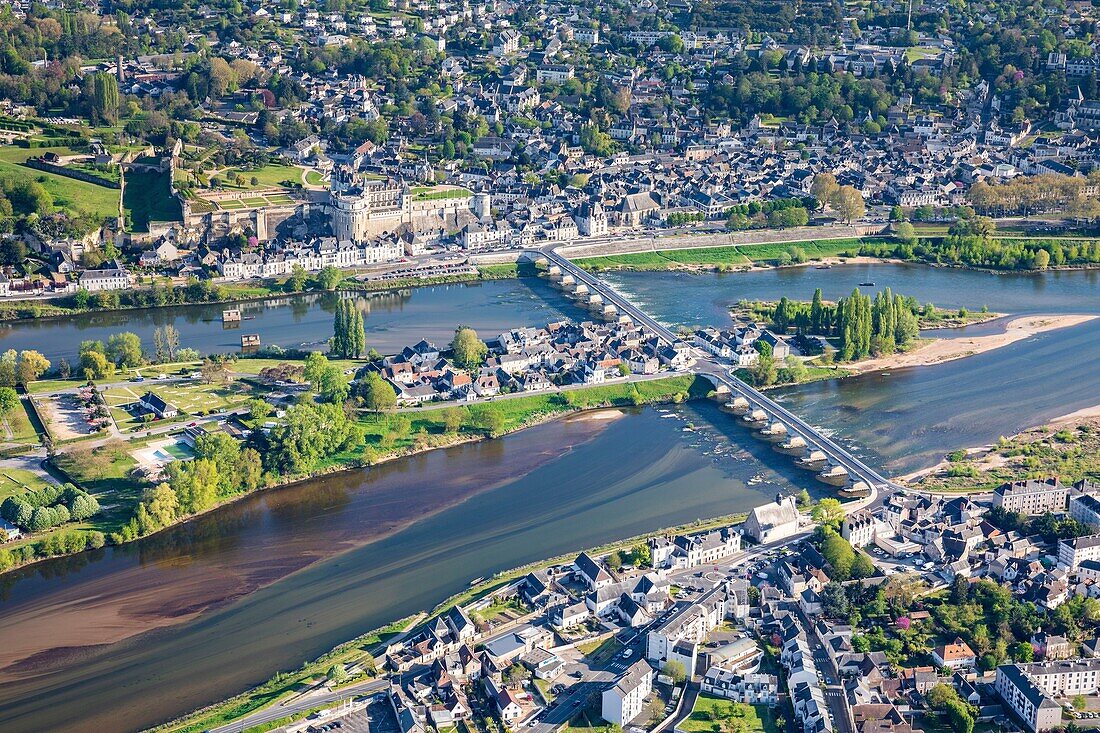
x=628 y=654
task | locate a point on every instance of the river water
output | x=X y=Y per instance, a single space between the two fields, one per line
x=126 y=637
x=305 y=321
x=312 y=565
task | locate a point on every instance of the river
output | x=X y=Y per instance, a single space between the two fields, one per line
x=909 y=418
x=126 y=637
x=390 y=319
x=309 y=566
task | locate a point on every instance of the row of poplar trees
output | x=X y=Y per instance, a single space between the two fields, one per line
x=349 y=341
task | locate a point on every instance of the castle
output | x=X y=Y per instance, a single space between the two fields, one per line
x=366 y=209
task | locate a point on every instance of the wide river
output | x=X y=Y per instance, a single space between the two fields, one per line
x=124 y=638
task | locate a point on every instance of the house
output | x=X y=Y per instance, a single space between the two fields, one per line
x=107 y=279
x=625 y=700
x=508 y=705
x=591 y=572
x=566 y=616
x=775 y=521
x=154 y=404
x=954 y=656
x=1031 y=497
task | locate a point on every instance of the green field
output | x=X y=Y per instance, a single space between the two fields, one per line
x=17 y=481
x=314 y=178
x=733 y=255
x=430 y=193
x=191 y=399
x=401 y=432
x=149 y=197
x=709 y=714
x=69 y=194
x=272 y=175
x=19 y=423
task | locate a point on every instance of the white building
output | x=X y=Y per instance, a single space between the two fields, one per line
x=1029 y=689
x=109 y=279
x=775 y=521
x=1073 y=552
x=625 y=700
x=859 y=529
x=1031 y=497
x=753 y=688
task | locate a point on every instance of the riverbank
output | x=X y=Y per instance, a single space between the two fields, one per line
x=105 y=471
x=1067 y=447
x=252 y=292
x=938 y=351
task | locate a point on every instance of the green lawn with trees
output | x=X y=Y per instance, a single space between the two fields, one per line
x=717 y=715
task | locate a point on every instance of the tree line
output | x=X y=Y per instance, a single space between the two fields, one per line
x=864 y=326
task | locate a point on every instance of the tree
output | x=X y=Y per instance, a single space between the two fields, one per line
x=348 y=337
x=469 y=350
x=849 y=203
x=166 y=343
x=862 y=567
x=124 y=349
x=905 y=233
x=958 y=715
x=641 y=555
x=9 y=400
x=828 y=512
x=104 y=97
x=452 y=420
x=329 y=278
x=378 y=395
x=676 y=671
x=94 y=363
x=1023 y=652
x=215 y=370
x=1041 y=259
x=823 y=187
x=337 y=673
x=326 y=378
x=83 y=506
x=32 y=365
x=296 y=283
x=250 y=470
x=614 y=562
x=162 y=504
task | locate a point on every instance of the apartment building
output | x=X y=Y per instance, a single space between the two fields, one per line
x=1031 y=497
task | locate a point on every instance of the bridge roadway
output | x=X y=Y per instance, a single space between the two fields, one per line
x=710 y=366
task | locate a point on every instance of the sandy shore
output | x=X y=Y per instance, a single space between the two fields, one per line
x=986 y=455
x=938 y=351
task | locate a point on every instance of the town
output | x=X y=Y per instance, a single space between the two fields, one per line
x=304 y=162
x=891 y=617
x=314 y=311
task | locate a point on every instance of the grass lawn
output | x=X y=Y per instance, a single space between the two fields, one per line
x=732 y=255
x=601 y=650
x=314 y=178
x=148 y=197
x=270 y=176
x=255 y=366
x=512 y=607
x=49 y=386
x=427 y=193
x=17 y=481
x=68 y=194
x=19 y=422
x=104 y=471
x=915 y=53
x=191 y=399
x=709 y=711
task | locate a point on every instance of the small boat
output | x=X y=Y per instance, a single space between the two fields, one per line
x=475 y=581
x=824 y=267
x=867 y=285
